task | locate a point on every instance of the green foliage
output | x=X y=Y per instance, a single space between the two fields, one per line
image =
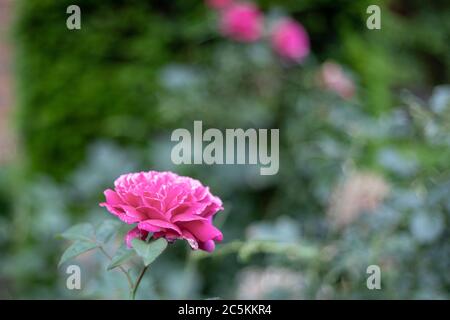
x=98 y=82
x=122 y=255
x=84 y=240
x=102 y=101
x=107 y=230
x=149 y=251
x=75 y=249
x=82 y=232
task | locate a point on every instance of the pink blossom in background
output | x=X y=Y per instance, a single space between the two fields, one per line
x=242 y=22
x=218 y=4
x=290 y=40
x=168 y=205
x=332 y=77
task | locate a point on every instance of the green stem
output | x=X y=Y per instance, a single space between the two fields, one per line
x=138 y=281
x=125 y=272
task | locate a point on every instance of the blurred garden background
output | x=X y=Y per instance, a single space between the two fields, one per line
x=364 y=124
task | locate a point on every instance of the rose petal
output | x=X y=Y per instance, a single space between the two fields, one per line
x=190 y=239
x=184 y=217
x=208 y=246
x=202 y=230
x=133 y=234
x=154 y=225
x=112 y=198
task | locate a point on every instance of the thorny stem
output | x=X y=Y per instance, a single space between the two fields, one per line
x=138 y=281
x=125 y=272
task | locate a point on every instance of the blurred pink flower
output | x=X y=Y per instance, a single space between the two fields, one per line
x=360 y=192
x=332 y=77
x=168 y=205
x=290 y=40
x=242 y=22
x=218 y=4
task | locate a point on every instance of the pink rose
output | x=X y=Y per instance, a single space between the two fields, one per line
x=218 y=4
x=333 y=78
x=168 y=205
x=242 y=22
x=290 y=40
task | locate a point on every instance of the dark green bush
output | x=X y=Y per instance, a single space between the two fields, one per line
x=104 y=83
x=99 y=82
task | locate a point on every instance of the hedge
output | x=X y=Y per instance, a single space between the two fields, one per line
x=101 y=81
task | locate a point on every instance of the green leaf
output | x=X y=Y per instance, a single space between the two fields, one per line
x=123 y=254
x=83 y=231
x=107 y=230
x=149 y=251
x=77 y=248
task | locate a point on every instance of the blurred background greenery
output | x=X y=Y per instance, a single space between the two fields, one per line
x=363 y=180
